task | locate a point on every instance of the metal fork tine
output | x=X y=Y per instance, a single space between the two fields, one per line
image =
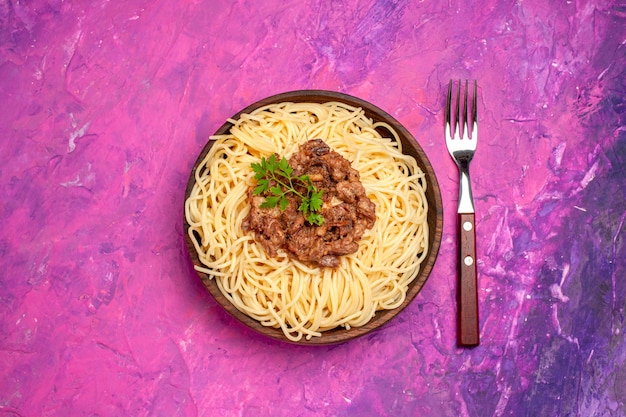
x=465 y=130
x=475 y=112
x=457 y=125
x=448 y=109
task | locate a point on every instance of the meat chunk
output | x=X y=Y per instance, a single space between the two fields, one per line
x=266 y=226
x=314 y=147
x=350 y=191
x=305 y=245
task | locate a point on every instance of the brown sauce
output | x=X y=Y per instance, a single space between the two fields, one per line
x=347 y=211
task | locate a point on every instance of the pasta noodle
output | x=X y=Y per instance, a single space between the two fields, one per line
x=284 y=293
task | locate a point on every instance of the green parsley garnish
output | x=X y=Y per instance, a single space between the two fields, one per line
x=275 y=178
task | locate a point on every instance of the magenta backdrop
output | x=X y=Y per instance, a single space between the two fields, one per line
x=105 y=106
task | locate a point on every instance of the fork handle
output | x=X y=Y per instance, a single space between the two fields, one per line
x=468 y=287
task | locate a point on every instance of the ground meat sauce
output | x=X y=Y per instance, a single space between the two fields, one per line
x=347 y=211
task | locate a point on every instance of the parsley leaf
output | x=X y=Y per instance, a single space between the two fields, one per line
x=275 y=180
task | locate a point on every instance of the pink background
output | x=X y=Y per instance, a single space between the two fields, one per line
x=106 y=105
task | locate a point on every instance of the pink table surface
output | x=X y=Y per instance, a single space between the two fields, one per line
x=106 y=104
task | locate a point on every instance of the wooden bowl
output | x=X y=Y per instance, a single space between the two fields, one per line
x=435 y=218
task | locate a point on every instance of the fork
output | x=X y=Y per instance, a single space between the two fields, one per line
x=462 y=150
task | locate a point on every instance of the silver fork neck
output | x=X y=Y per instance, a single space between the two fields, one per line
x=466 y=201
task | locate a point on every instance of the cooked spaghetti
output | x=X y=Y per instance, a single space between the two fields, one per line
x=281 y=292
